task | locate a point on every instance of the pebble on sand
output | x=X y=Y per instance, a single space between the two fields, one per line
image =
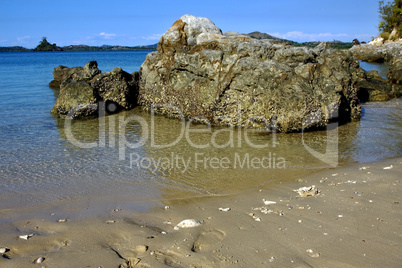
x=39 y=260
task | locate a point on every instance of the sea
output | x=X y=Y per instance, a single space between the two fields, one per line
x=135 y=159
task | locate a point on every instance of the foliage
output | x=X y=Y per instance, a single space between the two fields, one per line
x=385 y=35
x=390 y=18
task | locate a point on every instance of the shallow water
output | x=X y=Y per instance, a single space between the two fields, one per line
x=381 y=68
x=135 y=157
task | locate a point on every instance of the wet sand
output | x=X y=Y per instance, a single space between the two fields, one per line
x=353 y=221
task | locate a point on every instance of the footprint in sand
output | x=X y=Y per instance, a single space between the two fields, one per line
x=207 y=240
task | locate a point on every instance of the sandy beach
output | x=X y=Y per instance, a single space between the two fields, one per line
x=350 y=218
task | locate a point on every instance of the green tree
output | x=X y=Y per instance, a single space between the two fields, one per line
x=390 y=18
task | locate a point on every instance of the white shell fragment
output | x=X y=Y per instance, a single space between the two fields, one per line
x=3 y=250
x=391 y=166
x=26 y=237
x=267 y=202
x=307 y=191
x=224 y=209
x=312 y=254
x=189 y=223
x=39 y=260
x=62 y=220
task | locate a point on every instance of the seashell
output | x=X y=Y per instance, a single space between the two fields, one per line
x=189 y=223
x=39 y=260
x=110 y=221
x=266 y=202
x=391 y=166
x=62 y=220
x=3 y=250
x=312 y=254
x=225 y=209
x=26 y=237
x=307 y=191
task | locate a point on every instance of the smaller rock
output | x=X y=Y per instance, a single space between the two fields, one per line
x=231 y=33
x=141 y=249
x=355 y=42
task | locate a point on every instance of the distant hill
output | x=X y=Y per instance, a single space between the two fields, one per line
x=14 y=49
x=81 y=48
x=259 y=35
x=256 y=35
x=106 y=48
x=334 y=44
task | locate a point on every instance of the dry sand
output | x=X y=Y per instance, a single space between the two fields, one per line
x=354 y=221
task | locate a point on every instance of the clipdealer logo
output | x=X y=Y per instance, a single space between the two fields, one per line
x=201 y=161
x=197 y=160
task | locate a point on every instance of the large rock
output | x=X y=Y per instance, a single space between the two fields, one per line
x=62 y=73
x=200 y=74
x=82 y=89
x=372 y=87
x=378 y=51
x=395 y=70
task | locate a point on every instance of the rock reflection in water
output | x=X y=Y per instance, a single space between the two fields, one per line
x=180 y=159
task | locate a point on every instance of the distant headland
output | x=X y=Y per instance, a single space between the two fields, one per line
x=44 y=45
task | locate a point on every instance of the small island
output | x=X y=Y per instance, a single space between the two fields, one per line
x=44 y=45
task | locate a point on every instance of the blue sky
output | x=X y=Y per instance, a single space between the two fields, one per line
x=118 y=22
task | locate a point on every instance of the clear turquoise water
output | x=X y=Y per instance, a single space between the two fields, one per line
x=39 y=165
